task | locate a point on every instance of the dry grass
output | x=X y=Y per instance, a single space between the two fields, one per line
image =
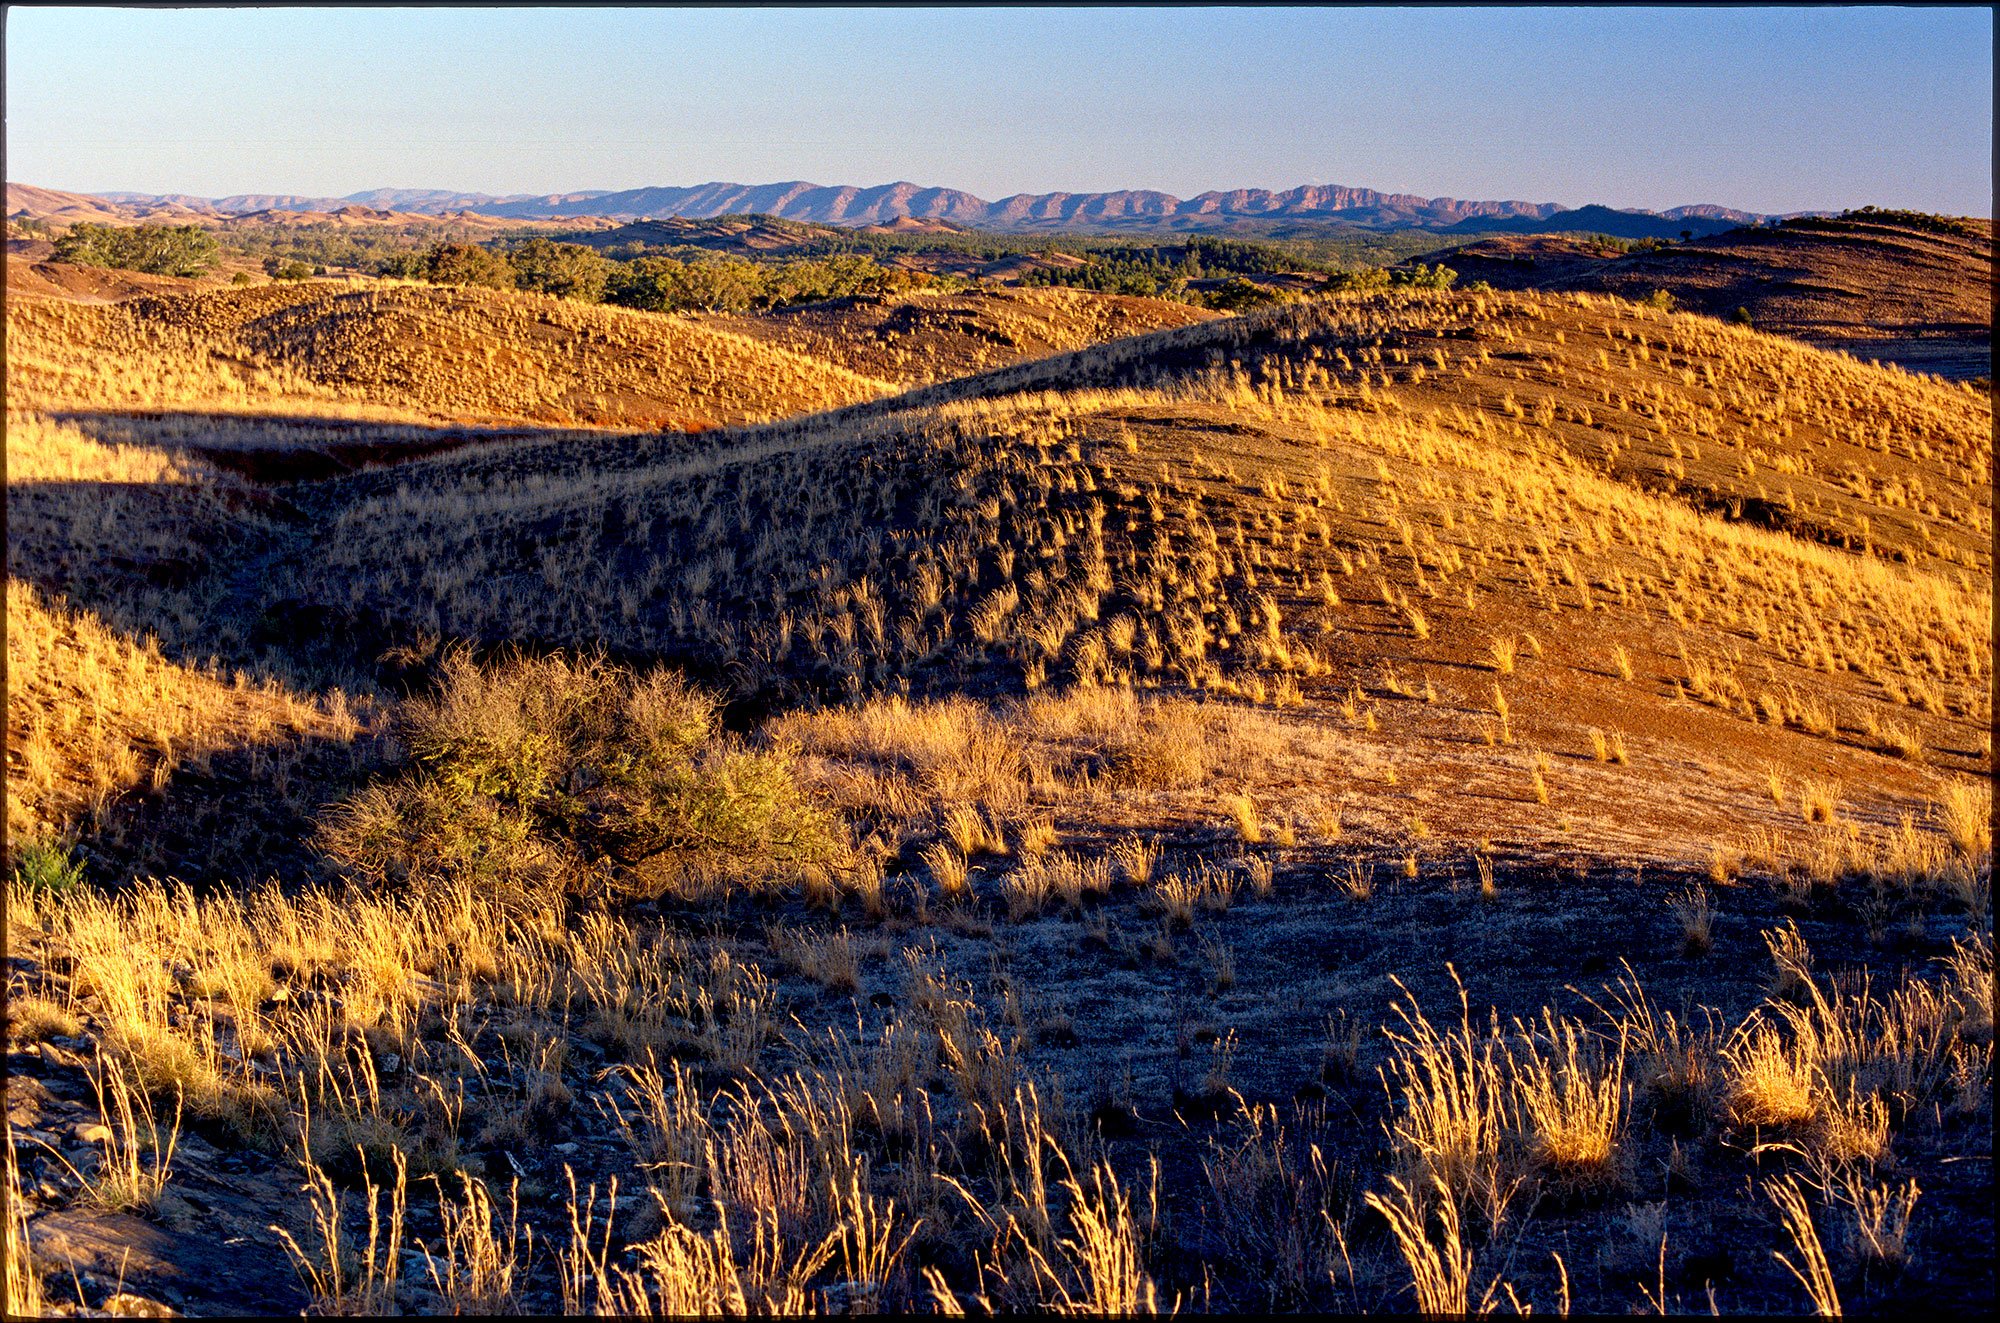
x=1696 y=915
x=24 y=1296
x=1182 y=611
x=924 y=337
x=408 y=352
x=92 y=718
x=135 y=1161
x=1441 y=1270
x=1811 y=1268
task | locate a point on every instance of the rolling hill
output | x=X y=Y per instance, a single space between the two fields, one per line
x=1684 y=492
x=919 y=338
x=1359 y=487
x=1914 y=290
x=395 y=351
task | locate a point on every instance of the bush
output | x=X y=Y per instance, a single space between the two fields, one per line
x=43 y=868
x=1239 y=295
x=404 y=266
x=547 y=775
x=1659 y=299
x=278 y=268
x=161 y=250
x=1916 y=220
x=1420 y=276
x=1741 y=316
x=728 y=284
x=1415 y=276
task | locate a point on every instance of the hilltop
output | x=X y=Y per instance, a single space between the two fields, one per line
x=428 y=353
x=918 y=338
x=1909 y=289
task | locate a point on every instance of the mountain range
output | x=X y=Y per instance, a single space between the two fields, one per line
x=882 y=204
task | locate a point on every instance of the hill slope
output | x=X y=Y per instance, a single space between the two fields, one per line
x=921 y=338
x=410 y=352
x=1922 y=292
x=1299 y=498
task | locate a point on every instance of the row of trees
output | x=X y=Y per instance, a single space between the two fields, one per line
x=657 y=284
x=1172 y=272
x=1237 y=294
x=161 y=250
x=1147 y=277
x=329 y=246
x=696 y=281
x=1415 y=276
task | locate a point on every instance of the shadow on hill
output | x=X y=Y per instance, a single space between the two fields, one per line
x=239 y=815
x=286 y=448
x=202 y=570
x=201 y=566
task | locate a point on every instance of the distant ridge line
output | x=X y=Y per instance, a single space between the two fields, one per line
x=882 y=204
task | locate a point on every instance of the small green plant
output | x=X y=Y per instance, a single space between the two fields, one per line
x=46 y=868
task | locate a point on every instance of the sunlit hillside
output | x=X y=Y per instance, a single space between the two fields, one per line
x=407 y=352
x=924 y=337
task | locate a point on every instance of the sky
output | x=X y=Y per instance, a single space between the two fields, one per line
x=1765 y=109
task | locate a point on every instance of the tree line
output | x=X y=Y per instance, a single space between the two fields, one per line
x=1171 y=273
x=161 y=250
x=697 y=283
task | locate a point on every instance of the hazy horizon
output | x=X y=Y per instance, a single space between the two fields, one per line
x=1768 y=110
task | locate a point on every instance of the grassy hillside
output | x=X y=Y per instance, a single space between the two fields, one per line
x=1119 y=765
x=429 y=353
x=1910 y=289
x=1731 y=432
x=920 y=338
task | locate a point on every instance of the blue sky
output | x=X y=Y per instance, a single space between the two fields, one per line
x=1767 y=109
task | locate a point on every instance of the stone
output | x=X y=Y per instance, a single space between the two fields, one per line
x=126 y=1305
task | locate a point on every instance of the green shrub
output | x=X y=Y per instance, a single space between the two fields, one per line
x=46 y=868
x=1417 y=275
x=1659 y=299
x=1238 y=294
x=546 y=775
